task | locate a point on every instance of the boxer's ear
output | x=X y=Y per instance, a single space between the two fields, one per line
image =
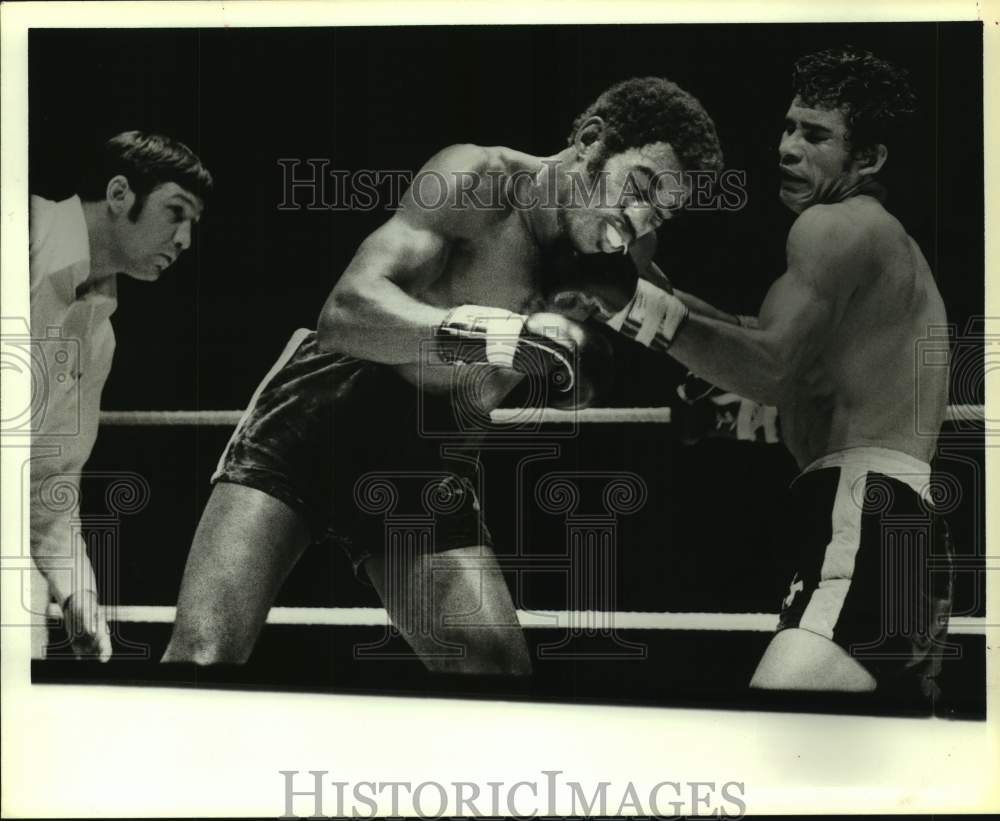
x=870 y=159
x=590 y=132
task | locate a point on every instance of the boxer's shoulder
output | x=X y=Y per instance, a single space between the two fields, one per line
x=494 y=161
x=468 y=164
x=463 y=187
x=834 y=239
x=847 y=224
x=859 y=241
x=825 y=222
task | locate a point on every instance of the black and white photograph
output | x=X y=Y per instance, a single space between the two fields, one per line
x=635 y=365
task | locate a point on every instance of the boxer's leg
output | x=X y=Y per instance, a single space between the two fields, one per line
x=245 y=546
x=797 y=659
x=454 y=609
x=825 y=599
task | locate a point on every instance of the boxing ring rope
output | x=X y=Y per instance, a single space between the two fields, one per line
x=529 y=619
x=377 y=616
x=955 y=413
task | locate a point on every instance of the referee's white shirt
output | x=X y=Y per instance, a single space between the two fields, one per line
x=73 y=344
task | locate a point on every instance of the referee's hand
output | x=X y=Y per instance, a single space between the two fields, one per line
x=83 y=619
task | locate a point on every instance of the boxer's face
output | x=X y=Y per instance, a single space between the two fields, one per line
x=147 y=243
x=617 y=199
x=816 y=161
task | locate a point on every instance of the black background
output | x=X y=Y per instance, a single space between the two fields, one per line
x=388 y=98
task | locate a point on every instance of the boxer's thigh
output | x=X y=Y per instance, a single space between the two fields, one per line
x=454 y=609
x=246 y=543
x=810 y=651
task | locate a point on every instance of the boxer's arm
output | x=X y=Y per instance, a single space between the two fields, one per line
x=699 y=306
x=370 y=312
x=827 y=258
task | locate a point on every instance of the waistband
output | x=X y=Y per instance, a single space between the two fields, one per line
x=892 y=463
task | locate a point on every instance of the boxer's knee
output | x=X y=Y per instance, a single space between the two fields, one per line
x=797 y=659
x=496 y=651
x=195 y=644
x=472 y=596
x=454 y=609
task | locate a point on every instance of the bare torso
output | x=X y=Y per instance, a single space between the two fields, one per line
x=496 y=265
x=869 y=385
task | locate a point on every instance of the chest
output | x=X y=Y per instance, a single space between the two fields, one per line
x=71 y=337
x=500 y=268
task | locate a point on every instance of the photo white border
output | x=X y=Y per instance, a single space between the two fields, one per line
x=120 y=751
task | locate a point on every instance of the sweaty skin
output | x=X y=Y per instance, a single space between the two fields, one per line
x=465 y=235
x=427 y=259
x=836 y=348
x=868 y=385
x=837 y=344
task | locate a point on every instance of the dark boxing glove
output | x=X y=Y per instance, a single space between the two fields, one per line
x=709 y=412
x=605 y=282
x=594 y=371
x=609 y=287
x=572 y=363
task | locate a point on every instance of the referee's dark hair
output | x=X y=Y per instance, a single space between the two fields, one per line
x=146 y=161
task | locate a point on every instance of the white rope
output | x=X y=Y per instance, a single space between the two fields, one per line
x=519 y=416
x=570 y=619
x=375 y=616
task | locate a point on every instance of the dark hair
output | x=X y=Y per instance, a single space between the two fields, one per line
x=146 y=161
x=875 y=95
x=647 y=110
